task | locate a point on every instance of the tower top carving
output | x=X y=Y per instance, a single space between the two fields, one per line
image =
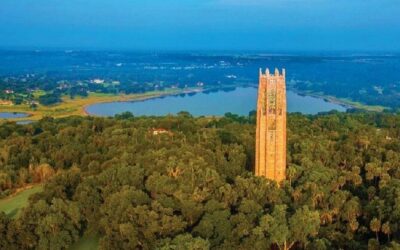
x=276 y=73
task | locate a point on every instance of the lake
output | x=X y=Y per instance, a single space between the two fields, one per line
x=239 y=101
x=10 y=115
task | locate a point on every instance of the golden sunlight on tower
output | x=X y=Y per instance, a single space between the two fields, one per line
x=271 y=126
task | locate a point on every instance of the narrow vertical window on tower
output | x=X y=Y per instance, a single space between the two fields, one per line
x=271 y=126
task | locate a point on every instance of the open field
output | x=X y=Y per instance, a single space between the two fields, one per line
x=357 y=105
x=77 y=105
x=11 y=205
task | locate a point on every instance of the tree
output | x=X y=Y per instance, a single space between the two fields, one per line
x=285 y=232
x=60 y=227
x=4 y=228
x=42 y=172
x=304 y=224
x=375 y=226
x=277 y=226
x=386 y=229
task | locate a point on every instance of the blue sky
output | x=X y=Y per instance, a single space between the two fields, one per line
x=205 y=24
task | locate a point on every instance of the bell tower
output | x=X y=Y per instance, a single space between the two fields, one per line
x=271 y=126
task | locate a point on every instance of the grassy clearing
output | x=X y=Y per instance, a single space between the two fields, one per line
x=86 y=243
x=77 y=105
x=12 y=205
x=359 y=105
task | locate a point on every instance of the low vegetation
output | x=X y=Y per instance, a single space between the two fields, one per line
x=193 y=188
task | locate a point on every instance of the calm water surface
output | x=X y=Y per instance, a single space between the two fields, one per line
x=9 y=115
x=240 y=101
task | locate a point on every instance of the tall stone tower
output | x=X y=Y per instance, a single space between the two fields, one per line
x=271 y=126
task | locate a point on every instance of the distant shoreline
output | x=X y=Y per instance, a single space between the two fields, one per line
x=345 y=103
x=203 y=90
x=141 y=99
x=78 y=106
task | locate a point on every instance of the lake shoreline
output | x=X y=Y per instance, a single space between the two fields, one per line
x=349 y=104
x=109 y=109
x=94 y=99
x=77 y=106
x=145 y=98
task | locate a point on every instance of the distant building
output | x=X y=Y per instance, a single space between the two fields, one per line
x=9 y=91
x=159 y=131
x=271 y=126
x=97 y=81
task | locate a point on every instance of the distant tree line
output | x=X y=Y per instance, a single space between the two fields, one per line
x=193 y=188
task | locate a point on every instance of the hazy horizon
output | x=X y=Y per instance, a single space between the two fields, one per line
x=220 y=25
x=268 y=52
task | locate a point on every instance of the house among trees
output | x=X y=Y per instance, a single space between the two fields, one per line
x=97 y=81
x=159 y=131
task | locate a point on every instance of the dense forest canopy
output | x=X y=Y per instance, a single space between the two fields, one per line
x=192 y=187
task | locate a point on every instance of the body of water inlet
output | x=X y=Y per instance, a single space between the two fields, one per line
x=10 y=115
x=239 y=101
